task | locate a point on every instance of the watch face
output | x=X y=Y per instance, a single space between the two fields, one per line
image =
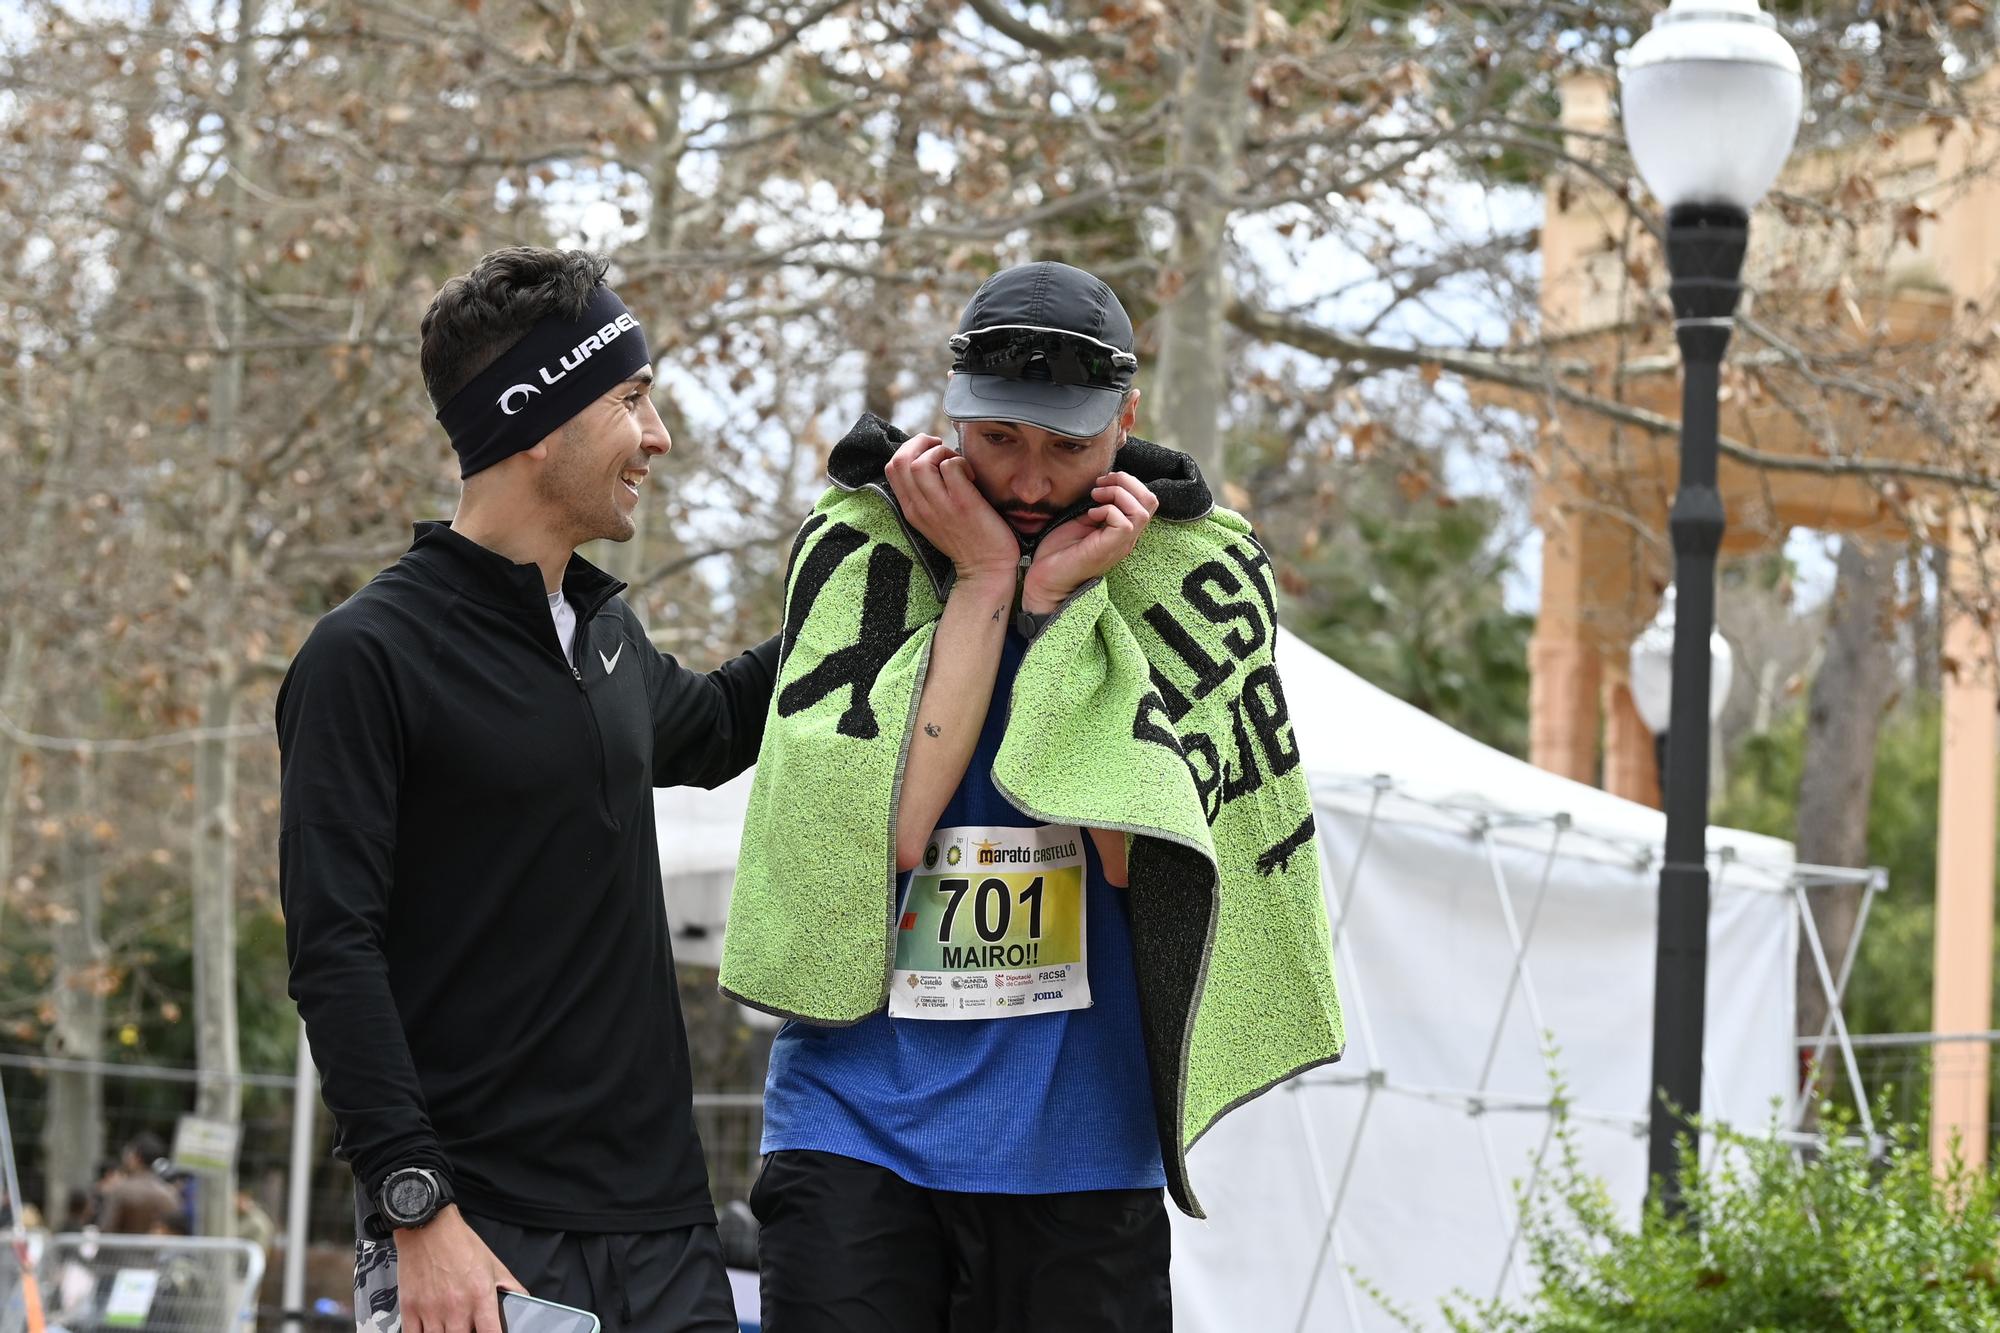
x=409 y=1197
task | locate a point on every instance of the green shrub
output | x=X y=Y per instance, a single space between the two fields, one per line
x=1837 y=1240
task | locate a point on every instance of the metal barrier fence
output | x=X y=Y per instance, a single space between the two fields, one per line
x=1890 y=1082
x=155 y=1284
x=1897 y=1079
x=1897 y=1073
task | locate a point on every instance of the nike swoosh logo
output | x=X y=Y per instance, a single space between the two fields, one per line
x=611 y=662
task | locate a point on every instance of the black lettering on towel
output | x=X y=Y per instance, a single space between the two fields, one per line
x=1259 y=713
x=1280 y=856
x=1259 y=719
x=1246 y=634
x=1207 y=769
x=826 y=557
x=1244 y=777
x=1208 y=672
x=1256 y=567
x=1155 y=722
x=883 y=608
x=1264 y=705
x=1175 y=703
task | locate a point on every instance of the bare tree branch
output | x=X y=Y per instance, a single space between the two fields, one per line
x=668 y=568
x=1547 y=379
x=1079 y=42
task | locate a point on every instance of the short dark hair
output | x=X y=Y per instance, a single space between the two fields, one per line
x=477 y=316
x=146 y=1146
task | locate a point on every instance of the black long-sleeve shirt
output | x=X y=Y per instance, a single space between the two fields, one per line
x=471 y=884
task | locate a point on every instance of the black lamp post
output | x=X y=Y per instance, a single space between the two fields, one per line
x=1711 y=99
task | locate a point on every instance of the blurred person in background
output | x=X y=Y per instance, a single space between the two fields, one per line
x=253 y=1223
x=79 y=1210
x=136 y=1200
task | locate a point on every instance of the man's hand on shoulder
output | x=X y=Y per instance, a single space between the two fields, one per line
x=934 y=486
x=447 y=1279
x=1074 y=553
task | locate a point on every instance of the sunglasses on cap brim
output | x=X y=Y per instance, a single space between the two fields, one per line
x=1013 y=351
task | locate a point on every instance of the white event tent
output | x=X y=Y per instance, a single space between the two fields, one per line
x=1485 y=913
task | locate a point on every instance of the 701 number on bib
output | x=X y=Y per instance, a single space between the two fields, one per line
x=992 y=907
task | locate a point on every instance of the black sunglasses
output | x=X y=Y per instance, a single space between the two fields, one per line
x=1018 y=353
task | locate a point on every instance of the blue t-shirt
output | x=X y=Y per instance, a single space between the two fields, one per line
x=1039 y=1103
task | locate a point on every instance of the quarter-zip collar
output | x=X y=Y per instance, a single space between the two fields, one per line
x=465 y=567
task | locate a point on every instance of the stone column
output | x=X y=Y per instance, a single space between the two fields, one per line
x=1630 y=768
x=1962 y=986
x=1565 y=669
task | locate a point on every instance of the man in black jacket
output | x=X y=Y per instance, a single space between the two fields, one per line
x=467 y=854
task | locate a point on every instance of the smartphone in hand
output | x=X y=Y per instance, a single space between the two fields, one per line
x=525 y=1314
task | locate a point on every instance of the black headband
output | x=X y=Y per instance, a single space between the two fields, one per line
x=559 y=367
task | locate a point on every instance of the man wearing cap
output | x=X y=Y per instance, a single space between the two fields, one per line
x=467 y=856
x=993 y=848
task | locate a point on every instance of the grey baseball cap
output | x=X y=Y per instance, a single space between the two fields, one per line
x=1046 y=344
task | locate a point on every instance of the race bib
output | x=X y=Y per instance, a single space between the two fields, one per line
x=993 y=926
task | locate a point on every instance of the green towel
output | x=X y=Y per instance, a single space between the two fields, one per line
x=1150 y=704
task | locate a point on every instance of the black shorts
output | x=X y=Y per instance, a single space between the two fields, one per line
x=847 y=1247
x=648 y=1282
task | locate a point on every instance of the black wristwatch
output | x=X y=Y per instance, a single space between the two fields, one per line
x=411 y=1196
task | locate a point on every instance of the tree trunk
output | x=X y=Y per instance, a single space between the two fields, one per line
x=213 y=861
x=17 y=672
x=627 y=560
x=879 y=351
x=73 y=1126
x=1927 y=624
x=1191 y=380
x=1843 y=715
x=217 y=1053
x=13 y=693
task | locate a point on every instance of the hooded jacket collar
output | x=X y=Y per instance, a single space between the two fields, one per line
x=861 y=460
x=471 y=570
